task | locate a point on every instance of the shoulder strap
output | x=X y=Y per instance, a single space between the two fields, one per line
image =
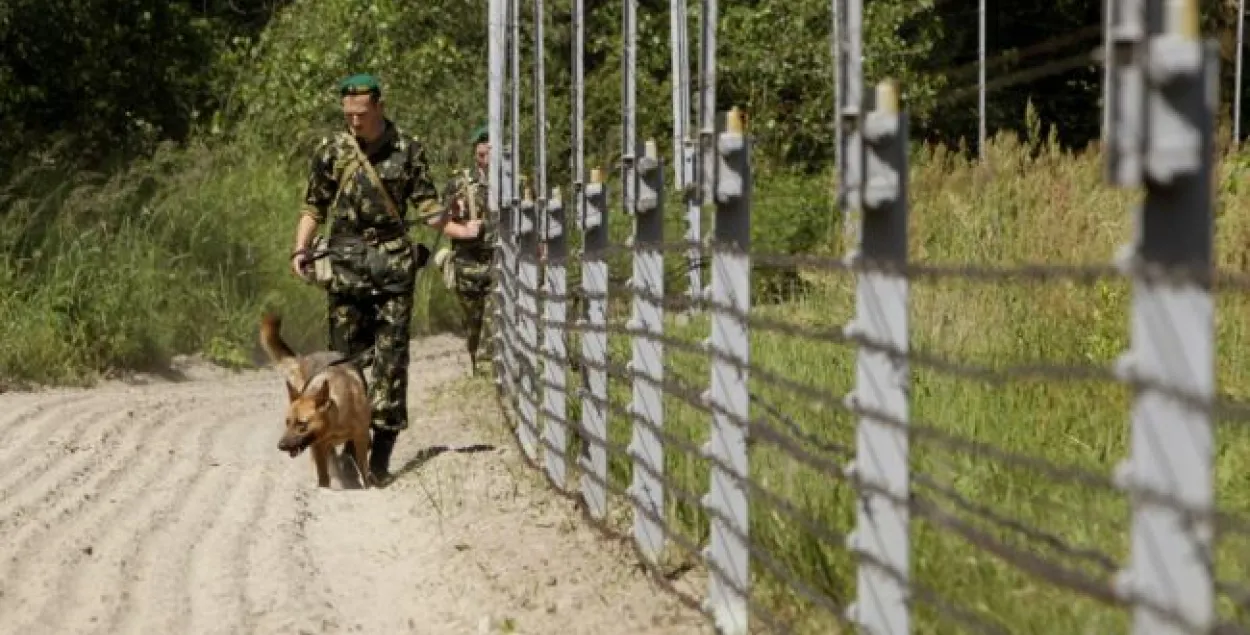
x=372 y=174
x=341 y=172
x=471 y=196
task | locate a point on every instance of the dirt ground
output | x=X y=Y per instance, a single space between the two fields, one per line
x=164 y=506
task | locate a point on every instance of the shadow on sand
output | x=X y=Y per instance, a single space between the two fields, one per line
x=350 y=478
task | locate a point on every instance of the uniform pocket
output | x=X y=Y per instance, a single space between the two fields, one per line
x=393 y=176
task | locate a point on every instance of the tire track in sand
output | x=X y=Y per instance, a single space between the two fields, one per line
x=171 y=593
x=274 y=576
x=201 y=589
x=34 y=494
x=37 y=438
x=162 y=552
x=89 y=545
x=27 y=522
x=216 y=566
x=151 y=597
x=23 y=417
x=22 y=410
x=292 y=603
x=197 y=524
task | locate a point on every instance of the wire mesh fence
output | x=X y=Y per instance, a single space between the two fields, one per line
x=826 y=464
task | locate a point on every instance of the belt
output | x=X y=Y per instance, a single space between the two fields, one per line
x=374 y=236
x=371 y=235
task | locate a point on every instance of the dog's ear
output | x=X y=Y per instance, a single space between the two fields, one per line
x=322 y=398
x=291 y=392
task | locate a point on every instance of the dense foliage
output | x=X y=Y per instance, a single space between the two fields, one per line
x=110 y=78
x=89 y=81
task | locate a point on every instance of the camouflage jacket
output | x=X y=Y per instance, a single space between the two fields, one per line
x=469 y=189
x=352 y=206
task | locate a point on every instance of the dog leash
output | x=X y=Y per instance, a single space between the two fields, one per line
x=355 y=357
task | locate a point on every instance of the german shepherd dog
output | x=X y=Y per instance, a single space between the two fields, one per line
x=328 y=403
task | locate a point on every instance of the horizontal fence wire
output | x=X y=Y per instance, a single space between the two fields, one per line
x=685 y=543
x=918 y=428
x=1224 y=407
x=1034 y=565
x=1055 y=574
x=689 y=396
x=571 y=293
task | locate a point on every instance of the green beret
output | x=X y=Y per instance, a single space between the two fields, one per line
x=360 y=84
x=480 y=134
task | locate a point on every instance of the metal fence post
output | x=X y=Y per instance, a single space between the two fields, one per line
x=595 y=346
x=506 y=286
x=496 y=53
x=508 y=221
x=683 y=146
x=589 y=212
x=629 y=98
x=851 y=91
x=726 y=501
x=838 y=49
x=551 y=234
x=647 y=284
x=1123 y=99
x=527 y=304
x=514 y=57
x=981 y=80
x=645 y=491
x=494 y=98
x=1240 y=60
x=707 y=161
x=1169 y=474
x=578 y=138
x=880 y=539
x=681 y=82
x=555 y=423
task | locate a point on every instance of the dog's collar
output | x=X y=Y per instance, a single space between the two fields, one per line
x=350 y=359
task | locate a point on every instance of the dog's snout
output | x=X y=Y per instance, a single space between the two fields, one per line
x=294 y=444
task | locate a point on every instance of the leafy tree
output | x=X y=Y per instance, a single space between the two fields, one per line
x=109 y=78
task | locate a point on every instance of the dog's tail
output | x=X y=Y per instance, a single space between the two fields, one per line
x=278 y=350
x=271 y=339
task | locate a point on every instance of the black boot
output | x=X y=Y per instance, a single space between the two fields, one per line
x=380 y=455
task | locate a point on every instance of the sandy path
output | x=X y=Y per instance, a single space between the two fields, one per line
x=166 y=508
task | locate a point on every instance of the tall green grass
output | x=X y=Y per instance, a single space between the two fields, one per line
x=1034 y=203
x=175 y=254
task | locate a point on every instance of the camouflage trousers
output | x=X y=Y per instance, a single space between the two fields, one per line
x=473 y=290
x=379 y=326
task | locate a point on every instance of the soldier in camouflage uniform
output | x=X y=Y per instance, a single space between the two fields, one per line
x=370 y=289
x=467 y=266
